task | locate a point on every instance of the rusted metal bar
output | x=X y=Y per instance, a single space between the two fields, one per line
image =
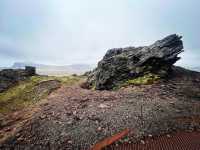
x=108 y=141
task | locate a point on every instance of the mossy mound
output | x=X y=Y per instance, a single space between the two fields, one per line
x=31 y=91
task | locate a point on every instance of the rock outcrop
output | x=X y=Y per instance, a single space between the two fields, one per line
x=9 y=77
x=121 y=64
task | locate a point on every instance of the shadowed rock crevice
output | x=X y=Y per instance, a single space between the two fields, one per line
x=121 y=64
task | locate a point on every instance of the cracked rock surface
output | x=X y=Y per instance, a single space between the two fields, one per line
x=120 y=64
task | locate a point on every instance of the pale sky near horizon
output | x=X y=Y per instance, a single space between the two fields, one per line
x=64 y=32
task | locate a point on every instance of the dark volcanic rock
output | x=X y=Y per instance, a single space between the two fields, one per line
x=31 y=71
x=121 y=64
x=9 y=77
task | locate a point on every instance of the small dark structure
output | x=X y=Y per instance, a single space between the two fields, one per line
x=30 y=70
x=9 y=77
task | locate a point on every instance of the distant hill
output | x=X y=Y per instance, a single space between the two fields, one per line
x=21 y=65
x=193 y=68
x=196 y=69
x=56 y=70
x=1 y=68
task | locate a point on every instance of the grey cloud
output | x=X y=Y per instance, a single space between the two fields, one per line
x=77 y=31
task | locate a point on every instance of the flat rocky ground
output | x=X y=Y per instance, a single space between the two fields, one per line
x=76 y=118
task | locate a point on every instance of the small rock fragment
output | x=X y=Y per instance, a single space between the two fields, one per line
x=103 y=106
x=99 y=129
x=142 y=141
x=69 y=122
x=43 y=116
x=150 y=135
x=168 y=135
x=69 y=142
x=74 y=112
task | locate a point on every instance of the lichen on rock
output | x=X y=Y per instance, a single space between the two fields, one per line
x=121 y=64
x=143 y=80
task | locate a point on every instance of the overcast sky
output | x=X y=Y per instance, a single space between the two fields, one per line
x=81 y=31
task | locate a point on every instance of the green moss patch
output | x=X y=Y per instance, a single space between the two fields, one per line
x=143 y=80
x=146 y=79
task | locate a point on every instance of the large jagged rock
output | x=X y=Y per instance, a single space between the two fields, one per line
x=9 y=77
x=121 y=64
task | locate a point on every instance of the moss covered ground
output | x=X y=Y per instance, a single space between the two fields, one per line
x=23 y=94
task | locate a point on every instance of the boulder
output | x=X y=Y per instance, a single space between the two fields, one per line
x=9 y=77
x=30 y=70
x=121 y=64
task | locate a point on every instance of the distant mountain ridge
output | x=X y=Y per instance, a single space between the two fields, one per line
x=196 y=69
x=20 y=65
x=193 y=68
x=1 y=68
x=55 y=70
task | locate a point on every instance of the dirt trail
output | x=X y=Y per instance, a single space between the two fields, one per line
x=77 y=118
